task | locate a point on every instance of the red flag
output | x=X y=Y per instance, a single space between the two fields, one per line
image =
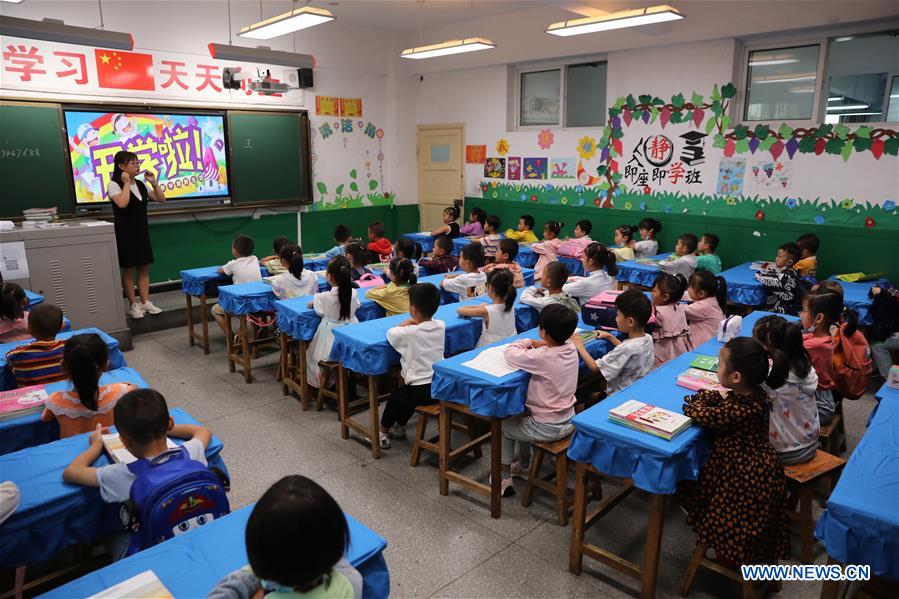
x=124 y=70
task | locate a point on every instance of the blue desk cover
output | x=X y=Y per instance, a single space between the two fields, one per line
x=713 y=346
x=53 y=514
x=861 y=522
x=654 y=464
x=636 y=273
x=526 y=256
x=459 y=243
x=855 y=297
x=8 y=381
x=191 y=565
x=33 y=298
x=28 y=430
x=486 y=394
x=575 y=266
x=425 y=240
x=742 y=288
x=197 y=281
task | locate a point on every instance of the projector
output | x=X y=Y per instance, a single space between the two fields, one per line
x=267 y=87
x=261 y=82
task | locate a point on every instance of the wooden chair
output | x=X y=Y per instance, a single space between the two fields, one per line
x=328 y=368
x=699 y=559
x=433 y=445
x=559 y=488
x=801 y=480
x=832 y=437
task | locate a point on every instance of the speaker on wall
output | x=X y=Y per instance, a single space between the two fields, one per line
x=304 y=77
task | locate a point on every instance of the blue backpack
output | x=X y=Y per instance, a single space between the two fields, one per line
x=172 y=497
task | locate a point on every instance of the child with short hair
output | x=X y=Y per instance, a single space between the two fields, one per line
x=505 y=259
x=624 y=240
x=707 y=257
x=548 y=249
x=599 y=264
x=294 y=508
x=297 y=281
x=40 y=361
x=87 y=403
x=706 y=310
x=648 y=246
x=441 y=260
x=341 y=239
x=449 y=227
x=378 y=244
x=807 y=265
x=358 y=257
x=498 y=316
x=490 y=240
x=738 y=505
x=405 y=248
x=551 y=292
x=244 y=268
x=821 y=311
x=793 y=425
x=336 y=307
x=394 y=297
x=273 y=263
x=671 y=336
x=781 y=282
x=13 y=313
x=420 y=342
x=684 y=261
x=525 y=232
x=632 y=358
x=552 y=363
x=475 y=226
x=471 y=280
x=582 y=229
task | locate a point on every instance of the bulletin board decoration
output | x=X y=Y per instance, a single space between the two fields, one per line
x=495 y=168
x=351 y=107
x=475 y=154
x=363 y=185
x=327 y=106
x=502 y=146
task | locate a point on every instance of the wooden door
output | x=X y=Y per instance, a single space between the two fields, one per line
x=440 y=171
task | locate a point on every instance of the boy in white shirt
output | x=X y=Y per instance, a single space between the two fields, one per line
x=632 y=358
x=244 y=268
x=684 y=260
x=554 y=276
x=297 y=281
x=471 y=282
x=420 y=342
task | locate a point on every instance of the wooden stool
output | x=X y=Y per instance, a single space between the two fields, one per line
x=832 y=437
x=559 y=450
x=699 y=559
x=433 y=445
x=801 y=478
x=327 y=369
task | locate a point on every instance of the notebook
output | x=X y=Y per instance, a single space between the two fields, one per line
x=18 y=402
x=117 y=452
x=697 y=380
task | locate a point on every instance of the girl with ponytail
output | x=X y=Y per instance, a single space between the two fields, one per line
x=449 y=227
x=599 y=263
x=671 y=336
x=708 y=295
x=336 y=307
x=499 y=317
x=87 y=403
x=394 y=297
x=297 y=281
x=625 y=242
x=13 y=315
x=738 y=505
x=548 y=249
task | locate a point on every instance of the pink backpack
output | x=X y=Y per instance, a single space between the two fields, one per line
x=599 y=311
x=574 y=248
x=370 y=280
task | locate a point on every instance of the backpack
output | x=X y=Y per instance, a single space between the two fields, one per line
x=574 y=248
x=370 y=280
x=171 y=497
x=851 y=363
x=599 y=311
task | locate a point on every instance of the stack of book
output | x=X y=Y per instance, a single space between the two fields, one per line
x=704 y=362
x=697 y=380
x=650 y=419
x=19 y=402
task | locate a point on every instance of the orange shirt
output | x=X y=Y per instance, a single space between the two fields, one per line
x=74 y=418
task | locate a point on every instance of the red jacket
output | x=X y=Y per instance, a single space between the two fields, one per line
x=382 y=247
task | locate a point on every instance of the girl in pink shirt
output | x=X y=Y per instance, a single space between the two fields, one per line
x=819 y=312
x=548 y=249
x=13 y=316
x=705 y=313
x=671 y=337
x=475 y=224
x=553 y=365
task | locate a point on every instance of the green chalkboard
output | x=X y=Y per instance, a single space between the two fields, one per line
x=270 y=157
x=34 y=169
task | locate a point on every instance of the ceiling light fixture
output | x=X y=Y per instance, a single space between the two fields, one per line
x=54 y=30
x=848 y=107
x=455 y=46
x=294 y=20
x=835 y=99
x=261 y=55
x=616 y=20
x=13 y=1
x=783 y=79
x=857 y=114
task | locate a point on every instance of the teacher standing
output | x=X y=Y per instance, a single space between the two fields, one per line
x=129 y=198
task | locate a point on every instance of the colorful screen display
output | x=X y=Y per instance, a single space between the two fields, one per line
x=186 y=152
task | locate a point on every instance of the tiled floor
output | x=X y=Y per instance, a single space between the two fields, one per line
x=437 y=546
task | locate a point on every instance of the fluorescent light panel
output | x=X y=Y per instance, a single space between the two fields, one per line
x=54 y=30
x=472 y=44
x=856 y=114
x=13 y=1
x=847 y=107
x=784 y=79
x=288 y=22
x=261 y=55
x=616 y=20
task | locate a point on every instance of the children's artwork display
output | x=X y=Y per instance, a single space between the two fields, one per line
x=773 y=175
x=563 y=168
x=495 y=168
x=535 y=168
x=514 y=164
x=730 y=177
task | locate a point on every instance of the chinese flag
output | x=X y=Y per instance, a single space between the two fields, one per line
x=125 y=70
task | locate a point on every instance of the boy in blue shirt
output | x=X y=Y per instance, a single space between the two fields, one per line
x=341 y=237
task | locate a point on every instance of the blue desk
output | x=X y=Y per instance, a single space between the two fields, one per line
x=28 y=430
x=861 y=522
x=712 y=347
x=8 y=381
x=527 y=258
x=425 y=240
x=638 y=273
x=855 y=297
x=191 y=565
x=575 y=266
x=53 y=514
x=742 y=288
x=33 y=298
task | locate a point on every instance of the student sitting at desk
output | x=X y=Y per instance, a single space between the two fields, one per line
x=552 y=363
x=684 y=259
x=405 y=248
x=599 y=264
x=295 y=508
x=491 y=237
x=13 y=313
x=450 y=227
x=379 y=246
x=297 y=281
x=475 y=226
x=707 y=257
x=341 y=239
x=525 y=231
x=244 y=268
x=706 y=311
x=632 y=358
x=420 y=342
x=551 y=292
x=79 y=410
x=40 y=361
x=358 y=258
x=499 y=317
x=505 y=259
x=624 y=240
x=738 y=506
x=470 y=283
x=671 y=336
x=442 y=260
x=781 y=282
x=647 y=247
x=394 y=297
x=273 y=263
x=337 y=307
x=807 y=265
x=548 y=249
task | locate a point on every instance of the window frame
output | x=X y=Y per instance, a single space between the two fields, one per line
x=562 y=66
x=824 y=40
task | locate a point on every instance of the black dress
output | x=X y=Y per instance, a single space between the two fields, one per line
x=132 y=232
x=454 y=230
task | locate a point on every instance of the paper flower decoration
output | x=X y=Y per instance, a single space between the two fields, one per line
x=647 y=190
x=586 y=147
x=869 y=222
x=597 y=202
x=545 y=139
x=819 y=220
x=889 y=206
x=642 y=205
x=523 y=197
x=564 y=200
x=534 y=198
x=792 y=203
x=628 y=206
x=502 y=146
x=730 y=201
x=847 y=204
x=759 y=215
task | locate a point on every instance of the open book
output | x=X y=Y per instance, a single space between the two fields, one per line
x=145 y=585
x=18 y=402
x=117 y=452
x=761 y=265
x=650 y=419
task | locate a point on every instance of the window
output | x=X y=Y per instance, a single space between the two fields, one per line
x=571 y=95
x=845 y=79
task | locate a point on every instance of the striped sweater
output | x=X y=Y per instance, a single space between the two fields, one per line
x=37 y=363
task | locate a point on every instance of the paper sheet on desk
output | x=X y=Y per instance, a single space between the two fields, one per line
x=492 y=361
